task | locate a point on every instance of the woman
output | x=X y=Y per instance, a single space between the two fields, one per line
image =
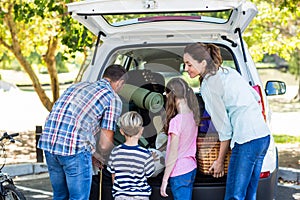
x=233 y=106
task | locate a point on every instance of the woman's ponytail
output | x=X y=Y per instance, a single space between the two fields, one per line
x=215 y=54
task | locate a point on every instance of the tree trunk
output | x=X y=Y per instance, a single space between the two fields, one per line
x=51 y=66
x=297 y=54
x=83 y=66
x=297 y=97
x=298 y=91
x=16 y=50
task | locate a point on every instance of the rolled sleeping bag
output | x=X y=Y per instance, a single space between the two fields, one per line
x=143 y=98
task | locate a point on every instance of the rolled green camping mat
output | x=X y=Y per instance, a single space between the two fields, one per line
x=143 y=98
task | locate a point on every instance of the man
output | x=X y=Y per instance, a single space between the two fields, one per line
x=68 y=138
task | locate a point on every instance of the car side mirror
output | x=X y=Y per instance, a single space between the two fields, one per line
x=275 y=88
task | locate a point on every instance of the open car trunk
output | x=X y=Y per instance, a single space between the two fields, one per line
x=159 y=65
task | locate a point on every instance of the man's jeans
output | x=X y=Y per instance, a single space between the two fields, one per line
x=182 y=186
x=70 y=176
x=244 y=169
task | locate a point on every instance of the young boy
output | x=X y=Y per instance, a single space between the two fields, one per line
x=129 y=163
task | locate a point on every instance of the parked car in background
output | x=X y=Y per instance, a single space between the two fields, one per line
x=273 y=61
x=6 y=86
x=148 y=41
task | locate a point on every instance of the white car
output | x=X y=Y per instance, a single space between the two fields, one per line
x=150 y=43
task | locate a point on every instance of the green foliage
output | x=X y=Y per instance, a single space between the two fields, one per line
x=292 y=5
x=37 y=21
x=8 y=62
x=261 y=65
x=5 y=61
x=26 y=11
x=280 y=139
x=34 y=57
x=193 y=82
x=275 y=30
x=76 y=36
x=73 y=35
x=60 y=64
x=295 y=64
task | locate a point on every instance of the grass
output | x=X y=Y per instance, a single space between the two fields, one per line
x=261 y=65
x=282 y=139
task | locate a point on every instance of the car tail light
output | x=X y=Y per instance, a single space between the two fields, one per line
x=264 y=174
x=257 y=88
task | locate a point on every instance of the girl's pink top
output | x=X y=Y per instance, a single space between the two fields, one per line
x=184 y=126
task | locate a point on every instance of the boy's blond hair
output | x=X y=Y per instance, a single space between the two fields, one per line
x=131 y=123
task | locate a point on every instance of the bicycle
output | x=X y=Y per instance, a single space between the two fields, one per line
x=8 y=190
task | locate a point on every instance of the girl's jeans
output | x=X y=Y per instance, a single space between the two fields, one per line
x=182 y=186
x=70 y=176
x=244 y=169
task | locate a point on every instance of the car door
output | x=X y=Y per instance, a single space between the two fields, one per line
x=192 y=15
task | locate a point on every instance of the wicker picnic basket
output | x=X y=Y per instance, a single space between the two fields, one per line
x=208 y=147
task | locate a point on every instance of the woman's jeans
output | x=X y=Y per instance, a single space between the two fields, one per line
x=124 y=197
x=244 y=169
x=70 y=176
x=182 y=186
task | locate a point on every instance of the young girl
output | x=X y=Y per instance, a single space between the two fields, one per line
x=233 y=106
x=182 y=119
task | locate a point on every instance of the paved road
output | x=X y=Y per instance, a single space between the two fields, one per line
x=39 y=188
x=35 y=187
x=288 y=192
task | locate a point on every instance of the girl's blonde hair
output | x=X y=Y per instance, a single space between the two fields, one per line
x=131 y=123
x=178 y=88
x=208 y=52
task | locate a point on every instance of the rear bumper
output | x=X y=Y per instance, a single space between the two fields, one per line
x=266 y=190
x=206 y=191
x=267 y=187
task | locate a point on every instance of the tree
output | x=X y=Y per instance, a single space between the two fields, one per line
x=276 y=30
x=295 y=65
x=44 y=28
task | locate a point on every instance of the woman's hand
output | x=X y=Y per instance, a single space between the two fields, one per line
x=217 y=169
x=163 y=188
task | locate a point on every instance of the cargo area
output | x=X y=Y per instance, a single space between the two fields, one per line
x=143 y=82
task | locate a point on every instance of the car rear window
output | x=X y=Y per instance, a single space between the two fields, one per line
x=117 y=20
